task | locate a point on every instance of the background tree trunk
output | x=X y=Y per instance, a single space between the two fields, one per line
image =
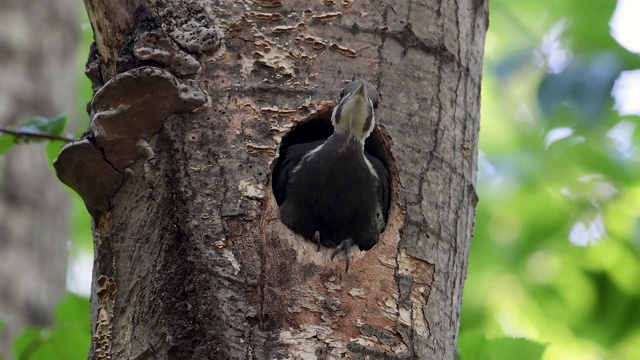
x=38 y=43
x=191 y=259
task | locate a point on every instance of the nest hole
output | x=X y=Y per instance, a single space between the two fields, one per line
x=318 y=127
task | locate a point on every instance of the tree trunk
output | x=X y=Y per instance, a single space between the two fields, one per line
x=38 y=75
x=192 y=261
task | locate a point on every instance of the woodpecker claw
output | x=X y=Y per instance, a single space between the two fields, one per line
x=346 y=247
x=316 y=238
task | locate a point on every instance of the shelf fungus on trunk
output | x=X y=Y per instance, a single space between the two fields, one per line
x=128 y=109
x=156 y=66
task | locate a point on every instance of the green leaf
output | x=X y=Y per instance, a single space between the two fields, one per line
x=57 y=124
x=53 y=149
x=28 y=342
x=68 y=339
x=80 y=223
x=6 y=142
x=35 y=124
x=470 y=345
x=515 y=348
x=2 y=325
x=40 y=124
x=589 y=27
x=542 y=283
x=73 y=309
x=474 y=346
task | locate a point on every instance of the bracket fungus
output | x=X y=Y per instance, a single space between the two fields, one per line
x=132 y=106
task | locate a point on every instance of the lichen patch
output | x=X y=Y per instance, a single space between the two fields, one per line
x=300 y=347
x=251 y=189
x=421 y=273
x=232 y=260
x=357 y=292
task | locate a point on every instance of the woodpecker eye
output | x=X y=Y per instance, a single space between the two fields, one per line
x=375 y=103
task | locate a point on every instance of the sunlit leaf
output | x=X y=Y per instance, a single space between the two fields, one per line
x=57 y=124
x=27 y=343
x=68 y=339
x=80 y=226
x=555 y=153
x=471 y=345
x=511 y=348
x=474 y=346
x=6 y=142
x=35 y=124
x=73 y=309
x=39 y=124
x=52 y=149
x=589 y=25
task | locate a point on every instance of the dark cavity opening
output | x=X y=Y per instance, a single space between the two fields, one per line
x=318 y=127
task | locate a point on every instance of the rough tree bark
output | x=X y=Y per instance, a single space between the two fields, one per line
x=193 y=100
x=37 y=78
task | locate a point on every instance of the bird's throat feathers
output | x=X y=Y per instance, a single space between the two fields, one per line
x=340 y=142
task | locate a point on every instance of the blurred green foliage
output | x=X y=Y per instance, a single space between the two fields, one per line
x=475 y=346
x=35 y=126
x=556 y=253
x=80 y=227
x=69 y=338
x=555 y=260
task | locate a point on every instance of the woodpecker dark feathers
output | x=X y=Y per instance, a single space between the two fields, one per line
x=333 y=191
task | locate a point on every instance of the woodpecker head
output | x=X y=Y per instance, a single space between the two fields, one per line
x=353 y=115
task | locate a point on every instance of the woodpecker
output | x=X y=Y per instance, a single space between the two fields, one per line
x=334 y=192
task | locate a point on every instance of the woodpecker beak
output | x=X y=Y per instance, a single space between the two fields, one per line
x=356 y=105
x=361 y=91
x=361 y=110
x=359 y=100
x=354 y=114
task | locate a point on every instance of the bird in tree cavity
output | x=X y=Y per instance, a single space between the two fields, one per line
x=334 y=192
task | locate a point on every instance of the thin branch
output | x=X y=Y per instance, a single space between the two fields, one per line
x=34 y=134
